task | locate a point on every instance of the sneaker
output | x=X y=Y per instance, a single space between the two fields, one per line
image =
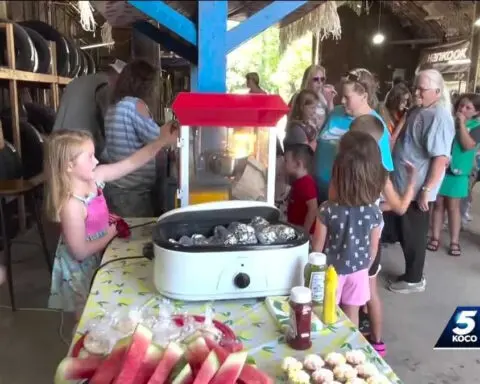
x=406 y=287
x=395 y=279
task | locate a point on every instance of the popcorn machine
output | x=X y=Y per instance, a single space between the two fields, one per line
x=227 y=146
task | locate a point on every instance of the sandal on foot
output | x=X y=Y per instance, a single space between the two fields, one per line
x=380 y=347
x=455 y=250
x=433 y=244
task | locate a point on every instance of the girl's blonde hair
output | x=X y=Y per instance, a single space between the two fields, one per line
x=62 y=147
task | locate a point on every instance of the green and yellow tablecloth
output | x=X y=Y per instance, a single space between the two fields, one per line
x=256 y=323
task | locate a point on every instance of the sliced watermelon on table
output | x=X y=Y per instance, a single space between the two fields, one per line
x=110 y=367
x=208 y=369
x=133 y=359
x=251 y=375
x=183 y=375
x=230 y=369
x=197 y=352
x=150 y=362
x=171 y=356
x=72 y=368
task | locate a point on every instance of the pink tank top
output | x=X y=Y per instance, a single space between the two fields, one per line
x=96 y=222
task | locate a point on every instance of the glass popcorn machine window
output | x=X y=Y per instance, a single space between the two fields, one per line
x=227 y=146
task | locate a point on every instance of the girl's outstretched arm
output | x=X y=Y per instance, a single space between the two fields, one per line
x=72 y=219
x=109 y=172
x=396 y=202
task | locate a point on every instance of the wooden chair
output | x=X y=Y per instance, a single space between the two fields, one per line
x=12 y=186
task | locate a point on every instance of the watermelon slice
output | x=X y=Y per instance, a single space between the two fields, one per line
x=184 y=376
x=72 y=368
x=197 y=352
x=221 y=352
x=230 y=369
x=171 y=357
x=208 y=369
x=132 y=361
x=109 y=368
x=150 y=362
x=192 y=337
x=251 y=375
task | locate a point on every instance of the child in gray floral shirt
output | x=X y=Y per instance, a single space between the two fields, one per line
x=350 y=221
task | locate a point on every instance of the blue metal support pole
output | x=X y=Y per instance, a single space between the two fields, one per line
x=260 y=21
x=169 y=18
x=178 y=46
x=210 y=75
x=211 y=43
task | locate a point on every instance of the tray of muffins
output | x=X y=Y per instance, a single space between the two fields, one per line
x=351 y=367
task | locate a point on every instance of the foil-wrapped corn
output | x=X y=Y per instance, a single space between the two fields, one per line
x=259 y=222
x=198 y=239
x=224 y=236
x=244 y=233
x=276 y=234
x=259 y=230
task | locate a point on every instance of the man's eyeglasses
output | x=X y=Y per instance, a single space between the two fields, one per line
x=319 y=79
x=421 y=90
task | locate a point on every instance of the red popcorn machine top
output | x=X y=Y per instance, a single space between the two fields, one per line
x=227 y=146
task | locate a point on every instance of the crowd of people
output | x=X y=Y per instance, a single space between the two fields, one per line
x=353 y=171
x=357 y=173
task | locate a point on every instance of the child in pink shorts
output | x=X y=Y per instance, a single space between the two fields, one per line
x=350 y=221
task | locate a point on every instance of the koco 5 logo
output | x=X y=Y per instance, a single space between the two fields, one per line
x=462 y=330
x=465 y=321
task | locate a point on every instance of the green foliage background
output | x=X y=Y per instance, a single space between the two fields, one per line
x=279 y=73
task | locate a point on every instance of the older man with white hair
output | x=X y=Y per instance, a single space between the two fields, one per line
x=425 y=142
x=85 y=101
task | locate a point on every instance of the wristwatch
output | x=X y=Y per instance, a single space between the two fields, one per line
x=426 y=189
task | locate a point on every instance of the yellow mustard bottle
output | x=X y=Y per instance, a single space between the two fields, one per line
x=329 y=300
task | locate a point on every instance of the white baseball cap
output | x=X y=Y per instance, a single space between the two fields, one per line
x=118 y=65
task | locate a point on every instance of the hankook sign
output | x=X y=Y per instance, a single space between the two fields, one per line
x=447 y=58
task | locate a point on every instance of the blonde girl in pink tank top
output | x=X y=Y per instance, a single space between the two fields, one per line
x=74 y=199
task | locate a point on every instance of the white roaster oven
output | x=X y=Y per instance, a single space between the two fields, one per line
x=217 y=272
x=227 y=151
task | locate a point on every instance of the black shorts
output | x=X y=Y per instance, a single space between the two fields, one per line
x=376 y=267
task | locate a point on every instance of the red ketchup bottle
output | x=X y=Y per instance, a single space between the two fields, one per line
x=298 y=334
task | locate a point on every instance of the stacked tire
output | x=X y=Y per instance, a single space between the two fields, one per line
x=32 y=54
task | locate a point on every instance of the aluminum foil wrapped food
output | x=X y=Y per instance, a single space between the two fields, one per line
x=258 y=223
x=224 y=236
x=198 y=239
x=276 y=234
x=186 y=241
x=244 y=233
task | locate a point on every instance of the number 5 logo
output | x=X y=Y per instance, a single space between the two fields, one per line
x=465 y=318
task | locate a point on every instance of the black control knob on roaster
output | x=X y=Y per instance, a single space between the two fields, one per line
x=242 y=280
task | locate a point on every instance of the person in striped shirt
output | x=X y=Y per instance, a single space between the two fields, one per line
x=129 y=126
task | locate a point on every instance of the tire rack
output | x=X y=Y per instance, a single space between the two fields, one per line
x=15 y=77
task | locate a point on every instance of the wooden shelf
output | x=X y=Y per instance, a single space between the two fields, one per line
x=12 y=74
x=15 y=79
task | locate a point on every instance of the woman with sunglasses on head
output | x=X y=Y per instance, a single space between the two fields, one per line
x=314 y=80
x=358 y=98
x=426 y=143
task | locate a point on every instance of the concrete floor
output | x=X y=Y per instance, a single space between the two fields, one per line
x=30 y=346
